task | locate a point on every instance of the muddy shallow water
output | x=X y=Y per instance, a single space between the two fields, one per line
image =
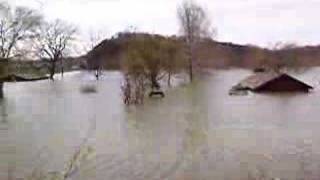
x=197 y=132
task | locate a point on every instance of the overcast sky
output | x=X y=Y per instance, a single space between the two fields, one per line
x=262 y=22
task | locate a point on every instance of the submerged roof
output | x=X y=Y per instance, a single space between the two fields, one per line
x=258 y=80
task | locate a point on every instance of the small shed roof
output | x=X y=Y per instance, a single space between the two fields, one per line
x=256 y=81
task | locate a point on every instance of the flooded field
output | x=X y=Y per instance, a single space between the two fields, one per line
x=197 y=132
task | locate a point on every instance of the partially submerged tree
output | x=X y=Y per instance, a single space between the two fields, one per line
x=172 y=56
x=144 y=56
x=54 y=42
x=91 y=41
x=136 y=68
x=148 y=59
x=4 y=66
x=194 y=25
x=95 y=37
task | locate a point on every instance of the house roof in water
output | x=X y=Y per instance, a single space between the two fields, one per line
x=260 y=80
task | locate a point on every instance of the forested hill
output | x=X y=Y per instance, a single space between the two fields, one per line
x=213 y=54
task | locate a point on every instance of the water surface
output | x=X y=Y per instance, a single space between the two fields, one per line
x=197 y=132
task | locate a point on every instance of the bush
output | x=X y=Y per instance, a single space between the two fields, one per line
x=133 y=89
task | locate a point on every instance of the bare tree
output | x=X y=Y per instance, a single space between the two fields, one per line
x=17 y=26
x=53 y=43
x=194 y=25
x=172 y=55
x=95 y=37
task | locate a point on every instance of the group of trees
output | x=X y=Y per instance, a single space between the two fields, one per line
x=24 y=33
x=151 y=58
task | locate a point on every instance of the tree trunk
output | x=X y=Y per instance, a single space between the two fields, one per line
x=190 y=61
x=62 y=67
x=154 y=82
x=190 y=69
x=52 y=69
x=97 y=74
x=169 y=79
x=62 y=70
x=1 y=90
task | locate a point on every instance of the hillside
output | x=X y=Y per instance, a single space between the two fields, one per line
x=212 y=54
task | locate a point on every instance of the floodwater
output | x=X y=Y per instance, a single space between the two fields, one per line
x=197 y=132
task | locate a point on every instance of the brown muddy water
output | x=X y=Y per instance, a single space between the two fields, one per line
x=197 y=132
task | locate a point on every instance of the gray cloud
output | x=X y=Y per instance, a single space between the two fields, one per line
x=242 y=21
